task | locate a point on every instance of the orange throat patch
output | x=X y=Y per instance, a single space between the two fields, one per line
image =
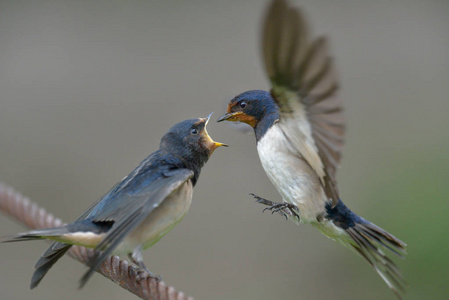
x=240 y=116
x=250 y=120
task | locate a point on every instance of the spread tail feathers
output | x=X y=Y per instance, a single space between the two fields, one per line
x=84 y=232
x=47 y=260
x=368 y=240
x=50 y=256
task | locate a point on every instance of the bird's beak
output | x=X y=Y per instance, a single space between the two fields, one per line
x=231 y=116
x=238 y=116
x=208 y=118
x=211 y=144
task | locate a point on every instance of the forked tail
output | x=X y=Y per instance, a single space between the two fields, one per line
x=367 y=239
x=81 y=232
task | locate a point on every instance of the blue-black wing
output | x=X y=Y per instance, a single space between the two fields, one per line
x=304 y=85
x=130 y=206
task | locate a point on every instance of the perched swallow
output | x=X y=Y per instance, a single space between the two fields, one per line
x=299 y=129
x=139 y=210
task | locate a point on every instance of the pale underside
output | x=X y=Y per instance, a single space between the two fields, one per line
x=304 y=86
x=161 y=220
x=293 y=177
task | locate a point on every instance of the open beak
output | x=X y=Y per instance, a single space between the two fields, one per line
x=212 y=145
x=232 y=116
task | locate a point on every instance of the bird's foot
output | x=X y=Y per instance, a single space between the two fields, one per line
x=142 y=274
x=285 y=209
x=136 y=258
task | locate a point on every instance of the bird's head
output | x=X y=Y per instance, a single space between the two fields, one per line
x=190 y=140
x=249 y=107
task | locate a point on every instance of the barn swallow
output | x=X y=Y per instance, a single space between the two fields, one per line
x=139 y=210
x=299 y=128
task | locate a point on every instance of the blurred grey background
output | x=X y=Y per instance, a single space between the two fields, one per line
x=87 y=88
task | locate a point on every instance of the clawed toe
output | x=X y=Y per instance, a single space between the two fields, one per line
x=136 y=258
x=283 y=209
x=262 y=200
x=142 y=274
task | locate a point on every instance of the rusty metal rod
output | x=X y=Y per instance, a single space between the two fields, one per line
x=119 y=271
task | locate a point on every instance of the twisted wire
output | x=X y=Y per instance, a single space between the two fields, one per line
x=119 y=271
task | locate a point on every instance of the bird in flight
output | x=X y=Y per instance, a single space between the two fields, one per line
x=139 y=210
x=299 y=128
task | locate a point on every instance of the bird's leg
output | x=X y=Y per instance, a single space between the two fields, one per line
x=285 y=209
x=136 y=258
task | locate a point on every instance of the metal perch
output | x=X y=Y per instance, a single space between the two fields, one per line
x=119 y=271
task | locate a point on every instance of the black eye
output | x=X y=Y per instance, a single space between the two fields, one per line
x=242 y=104
x=193 y=130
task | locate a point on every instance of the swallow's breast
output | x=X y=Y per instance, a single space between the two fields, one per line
x=292 y=176
x=161 y=220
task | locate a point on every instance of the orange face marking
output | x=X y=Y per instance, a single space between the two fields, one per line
x=240 y=116
x=250 y=120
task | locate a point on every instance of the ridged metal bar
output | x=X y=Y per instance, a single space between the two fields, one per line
x=119 y=271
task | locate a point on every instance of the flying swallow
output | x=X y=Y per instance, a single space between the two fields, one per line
x=139 y=210
x=299 y=128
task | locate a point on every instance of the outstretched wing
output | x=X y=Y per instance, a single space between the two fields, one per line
x=304 y=85
x=136 y=203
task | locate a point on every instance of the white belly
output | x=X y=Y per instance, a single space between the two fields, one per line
x=292 y=176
